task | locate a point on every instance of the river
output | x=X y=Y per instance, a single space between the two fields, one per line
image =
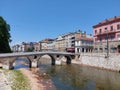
x=76 y=77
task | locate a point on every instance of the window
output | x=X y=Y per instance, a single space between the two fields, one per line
x=73 y=42
x=95 y=31
x=111 y=28
x=73 y=45
x=72 y=37
x=112 y=38
x=100 y=30
x=105 y=28
x=118 y=36
x=95 y=39
x=96 y=48
x=118 y=27
x=105 y=38
x=101 y=48
x=82 y=42
x=113 y=49
x=100 y=39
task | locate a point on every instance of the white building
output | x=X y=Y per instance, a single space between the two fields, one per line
x=84 y=44
x=23 y=47
x=18 y=48
x=70 y=42
x=51 y=46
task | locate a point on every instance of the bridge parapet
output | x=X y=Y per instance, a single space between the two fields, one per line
x=8 y=59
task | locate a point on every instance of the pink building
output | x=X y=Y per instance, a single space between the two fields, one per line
x=108 y=29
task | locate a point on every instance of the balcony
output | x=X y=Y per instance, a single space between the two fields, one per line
x=105 y=32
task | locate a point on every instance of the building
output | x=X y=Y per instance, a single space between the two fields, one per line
x=25 y=47
x=36 y=46
x=107 y=35
x=16 y=48
x=51 y=45
x=83 y=42
x=60 y=43
x=45 y=44
x=66 y=42
x=70 y=42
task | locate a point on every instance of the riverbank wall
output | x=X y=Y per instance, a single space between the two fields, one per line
x=99 y=60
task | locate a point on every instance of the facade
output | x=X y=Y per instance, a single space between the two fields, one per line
x=83 y=42
x=60 y=44
x=66 y=42
x=74 y=42
x=36 y=46
x=45 y=44
x=24 y=47
x=70 y=42
x=19 y=47
x=51 y=45
x=107 y=35
x=16 y=48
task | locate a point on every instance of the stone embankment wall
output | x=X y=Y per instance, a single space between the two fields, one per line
x=99 y=60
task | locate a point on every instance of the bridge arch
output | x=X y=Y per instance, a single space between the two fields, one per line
x=25 y=61
x=68 y=59
x=8 y=62
x=51 y=56
x=54 y=58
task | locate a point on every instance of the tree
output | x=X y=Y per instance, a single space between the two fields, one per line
x=4 y=36
x=31 y=49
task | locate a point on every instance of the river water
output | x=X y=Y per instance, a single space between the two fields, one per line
x=76 y=77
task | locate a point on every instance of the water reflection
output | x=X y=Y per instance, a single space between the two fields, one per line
x=75 y=77
x=21 y=63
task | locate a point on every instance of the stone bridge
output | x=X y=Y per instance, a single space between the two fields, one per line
x=7 y=60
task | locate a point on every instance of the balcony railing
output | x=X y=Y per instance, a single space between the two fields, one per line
x=85 y=45
x=105 y=32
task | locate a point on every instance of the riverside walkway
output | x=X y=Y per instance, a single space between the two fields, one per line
x=4 y=83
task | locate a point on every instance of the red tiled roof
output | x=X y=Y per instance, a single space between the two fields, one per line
x=116 y=18
x=87 y=39
x=47 y=39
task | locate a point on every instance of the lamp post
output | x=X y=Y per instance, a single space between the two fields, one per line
x=107 y=45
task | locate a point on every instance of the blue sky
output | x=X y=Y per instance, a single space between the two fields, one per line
x=34 y=20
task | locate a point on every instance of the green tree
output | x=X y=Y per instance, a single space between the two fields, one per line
x=31 y=49
x=4 y=36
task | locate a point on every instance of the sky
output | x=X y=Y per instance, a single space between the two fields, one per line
x=34 y=20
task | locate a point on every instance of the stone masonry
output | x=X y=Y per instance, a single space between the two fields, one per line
x=99 y=60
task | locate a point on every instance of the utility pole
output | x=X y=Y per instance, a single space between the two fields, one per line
x=107 y=45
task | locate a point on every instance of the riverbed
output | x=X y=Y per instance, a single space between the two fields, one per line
x=75 y=77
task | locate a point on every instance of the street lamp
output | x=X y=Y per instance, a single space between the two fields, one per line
x=107 y=45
